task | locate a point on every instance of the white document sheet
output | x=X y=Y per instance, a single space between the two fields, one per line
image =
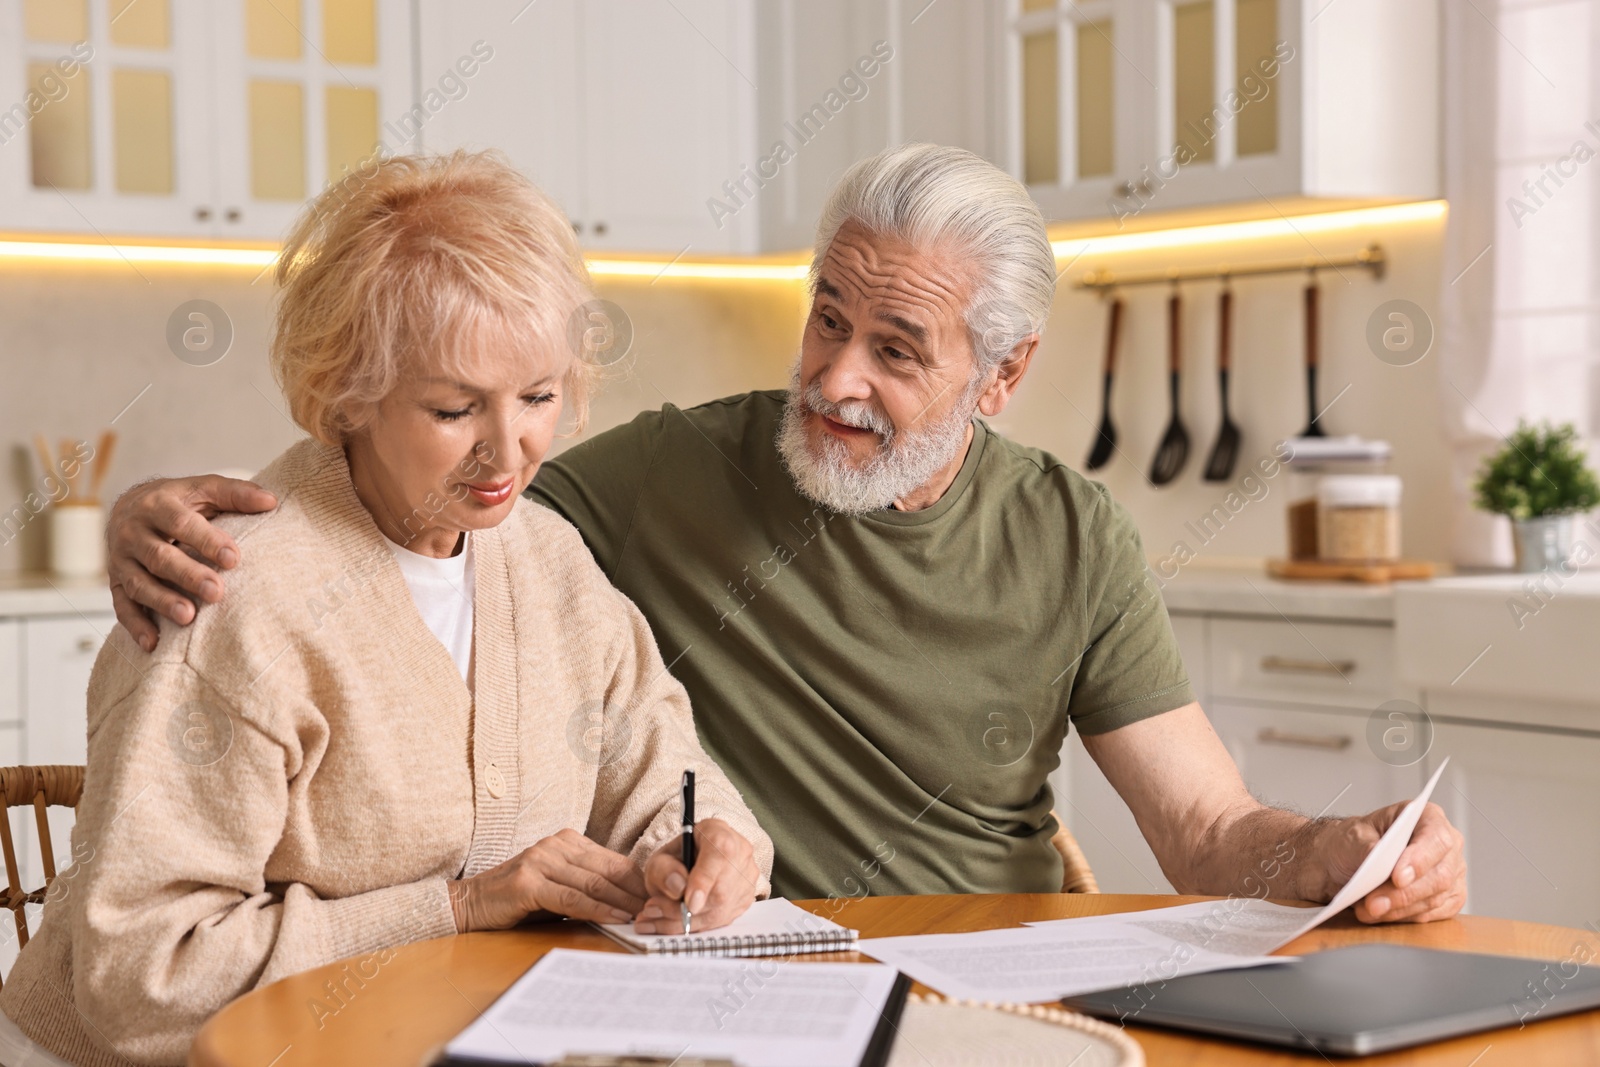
x=1029 y=964
x=759 y=1013
x=1066 y=957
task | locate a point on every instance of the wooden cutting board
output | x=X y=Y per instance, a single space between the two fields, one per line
x=1318 y=570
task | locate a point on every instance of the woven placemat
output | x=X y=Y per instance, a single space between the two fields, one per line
x=935 y=1032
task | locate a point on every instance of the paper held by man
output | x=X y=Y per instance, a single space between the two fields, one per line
x=1066 y=957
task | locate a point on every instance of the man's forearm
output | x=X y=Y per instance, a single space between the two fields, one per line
x=1259 y=852
x=1209 y=834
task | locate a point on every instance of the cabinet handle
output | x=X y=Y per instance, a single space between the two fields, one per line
x=577 y=227
x=233 y=214
x=87 y=644
x=202 y=213
x=1284 y=665
x=600 y=229
x=1331 y=742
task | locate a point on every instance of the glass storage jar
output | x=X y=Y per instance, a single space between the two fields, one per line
x=1358 y=518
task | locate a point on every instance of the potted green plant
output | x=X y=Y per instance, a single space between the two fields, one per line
x=1539 y=480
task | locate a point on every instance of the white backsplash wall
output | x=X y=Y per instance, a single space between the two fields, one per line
x=1058 y=406
x=83 y=340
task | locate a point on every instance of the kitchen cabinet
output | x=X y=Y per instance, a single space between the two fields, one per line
x=899 y=72
x=1513 y=699
x=708 y=127
x=1528 y=803
x=1304 y=662
x=630 y=115
x=1314 y=761
x=193 y=118
x=45 y=662
x=59 y=654
x=1117 y=107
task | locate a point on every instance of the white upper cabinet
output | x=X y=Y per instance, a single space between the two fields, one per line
x=108 y=116
x=631 y=114
x=1117 y=107
x=669 y=117
x=843 y=79
x=306 y=91
x=524 y=93
x=703 y=127
x=192 y=118
x=708 y=127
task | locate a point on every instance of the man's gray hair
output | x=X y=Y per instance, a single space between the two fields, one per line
x=937 y=197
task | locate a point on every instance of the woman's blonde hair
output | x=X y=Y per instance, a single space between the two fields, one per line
x=413 y=255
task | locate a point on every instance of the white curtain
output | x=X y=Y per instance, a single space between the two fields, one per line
x=1517 y=337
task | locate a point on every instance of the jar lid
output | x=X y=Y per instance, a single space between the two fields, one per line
x=1359 y=490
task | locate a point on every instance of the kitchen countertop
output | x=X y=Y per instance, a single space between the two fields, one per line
x=33 y=594
x=1199 y=590
x=1522 y=636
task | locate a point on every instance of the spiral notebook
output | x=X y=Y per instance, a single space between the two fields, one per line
x=770 y=928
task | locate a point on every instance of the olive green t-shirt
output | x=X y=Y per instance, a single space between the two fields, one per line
x=888 y=691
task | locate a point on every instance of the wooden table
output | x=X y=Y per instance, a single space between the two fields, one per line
x=401 y=1012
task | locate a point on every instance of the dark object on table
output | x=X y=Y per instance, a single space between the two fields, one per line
x=1358 y=1000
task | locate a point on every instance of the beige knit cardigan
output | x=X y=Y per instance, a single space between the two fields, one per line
x=293 y=779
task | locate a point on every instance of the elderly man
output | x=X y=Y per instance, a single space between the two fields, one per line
x=887 y=614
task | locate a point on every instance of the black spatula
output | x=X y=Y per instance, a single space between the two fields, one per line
x=1225 y=453
x=1106 y=439
x=1314 y=424
x=1174 y=450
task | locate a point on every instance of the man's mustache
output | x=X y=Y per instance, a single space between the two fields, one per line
x=861 y=414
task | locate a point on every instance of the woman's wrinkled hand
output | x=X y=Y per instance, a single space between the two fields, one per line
x=565 y=874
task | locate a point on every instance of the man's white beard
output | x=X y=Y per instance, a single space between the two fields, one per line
x=904 y=462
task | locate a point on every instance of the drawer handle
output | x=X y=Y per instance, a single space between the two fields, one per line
x=87 y=644
x=1331 y=742
x=1284 y=665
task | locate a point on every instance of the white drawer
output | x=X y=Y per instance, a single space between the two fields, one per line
x=1303 y=662
x=1316 y=762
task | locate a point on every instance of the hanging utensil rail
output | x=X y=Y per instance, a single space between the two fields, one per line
x=1370 y=258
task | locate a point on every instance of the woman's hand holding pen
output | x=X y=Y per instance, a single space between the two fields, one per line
x=719 y=889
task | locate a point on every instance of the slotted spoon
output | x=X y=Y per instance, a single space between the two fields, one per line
x=1106 y=439
x=1174 y=450
x=1225 y=453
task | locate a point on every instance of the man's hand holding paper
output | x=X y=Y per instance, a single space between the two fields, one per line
x=1429 y=880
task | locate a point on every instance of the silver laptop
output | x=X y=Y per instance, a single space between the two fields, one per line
x=1359 y=1000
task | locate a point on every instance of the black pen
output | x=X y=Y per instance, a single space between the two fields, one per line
x=688 y=843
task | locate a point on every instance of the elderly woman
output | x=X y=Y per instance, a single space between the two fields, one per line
x=423 y=710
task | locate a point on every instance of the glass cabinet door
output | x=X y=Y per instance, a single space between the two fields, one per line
x=1220 y=101
x=107 y=133
x=308 y=91
x=1067 y=102
x=1227 y=77
x=1119 y=107
x=1082 y=102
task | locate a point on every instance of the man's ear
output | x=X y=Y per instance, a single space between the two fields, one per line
x=1007 y=376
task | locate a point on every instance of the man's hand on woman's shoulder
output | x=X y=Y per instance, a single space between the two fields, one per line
x=153 y=528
